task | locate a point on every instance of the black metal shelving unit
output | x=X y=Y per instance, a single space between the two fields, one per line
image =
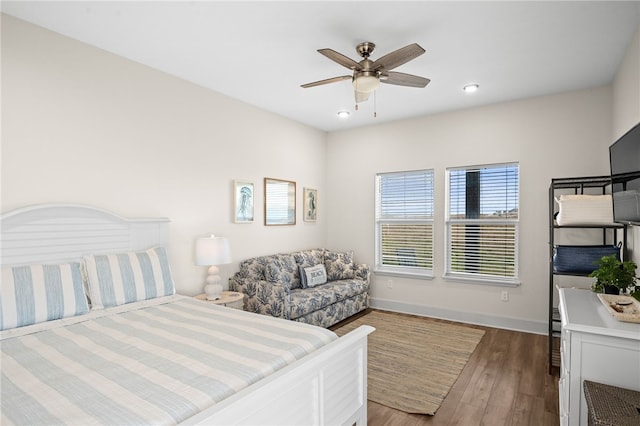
x=583 y=185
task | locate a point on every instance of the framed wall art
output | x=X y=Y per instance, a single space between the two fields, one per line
x=279 y=202
x=243 y=197
x=310 y=204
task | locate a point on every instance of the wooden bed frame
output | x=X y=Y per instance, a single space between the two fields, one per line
x=327 y=387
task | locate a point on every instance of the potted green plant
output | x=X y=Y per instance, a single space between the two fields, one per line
x=614 y=275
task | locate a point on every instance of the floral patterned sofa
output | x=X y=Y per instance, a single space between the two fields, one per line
x=291 y=286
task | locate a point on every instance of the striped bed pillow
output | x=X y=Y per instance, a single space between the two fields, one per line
x=116 y=279
x=36 y=293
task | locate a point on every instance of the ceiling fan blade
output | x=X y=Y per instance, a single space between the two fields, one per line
x=327 y=81
x=402 y=79
x=398 y=57
x=361 y=96
x=345 y=61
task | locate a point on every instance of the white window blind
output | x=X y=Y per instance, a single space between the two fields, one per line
x=404 y=222
x=482 y=223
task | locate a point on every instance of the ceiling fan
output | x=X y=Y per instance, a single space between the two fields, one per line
x=368 y=74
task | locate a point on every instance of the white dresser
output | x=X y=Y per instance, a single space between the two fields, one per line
x=594 y=346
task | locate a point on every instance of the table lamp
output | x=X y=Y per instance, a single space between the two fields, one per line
x=213 y=251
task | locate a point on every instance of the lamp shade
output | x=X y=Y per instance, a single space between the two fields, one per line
x=213 y=251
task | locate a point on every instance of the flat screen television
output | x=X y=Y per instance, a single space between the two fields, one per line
x=624 y=158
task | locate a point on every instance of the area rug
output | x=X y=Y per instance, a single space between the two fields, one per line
x=413 y=362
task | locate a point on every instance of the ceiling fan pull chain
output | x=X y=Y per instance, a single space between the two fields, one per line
x=375 y=104
x=356 y=86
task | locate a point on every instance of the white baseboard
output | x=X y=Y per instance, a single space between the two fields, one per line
x=508 y=323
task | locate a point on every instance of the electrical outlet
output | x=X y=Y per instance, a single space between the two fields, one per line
x=389 y=283
x=504 y=296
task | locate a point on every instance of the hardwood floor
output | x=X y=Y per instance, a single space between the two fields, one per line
x=505 y=382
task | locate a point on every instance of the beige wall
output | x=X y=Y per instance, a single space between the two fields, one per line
x=554 y=136
x=80 y=125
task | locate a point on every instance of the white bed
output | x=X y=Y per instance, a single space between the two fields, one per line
x=317 y=378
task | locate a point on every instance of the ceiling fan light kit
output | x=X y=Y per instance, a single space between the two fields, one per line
x=367 y=74
x=365 y=82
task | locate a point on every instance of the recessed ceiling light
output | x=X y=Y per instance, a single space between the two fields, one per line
x=343 y=114
x=470 y=88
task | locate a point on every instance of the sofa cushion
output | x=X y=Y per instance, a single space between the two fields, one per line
x=313 y=276
x=309 y=257
x=305 y=259
x=361 y=272
x=304 y=301
x=339 y=265
x=337 y=312
x=283 y=269
x=253 y=269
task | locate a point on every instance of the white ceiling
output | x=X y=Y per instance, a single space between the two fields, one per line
x=261 y=52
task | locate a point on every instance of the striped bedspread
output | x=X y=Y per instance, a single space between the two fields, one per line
x=152 y=362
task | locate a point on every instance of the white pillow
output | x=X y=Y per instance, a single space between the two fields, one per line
x=315 y=275
x=116 y=279
x=36 y=293
x=579 y=209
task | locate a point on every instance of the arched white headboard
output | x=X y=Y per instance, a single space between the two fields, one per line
x=51 y=233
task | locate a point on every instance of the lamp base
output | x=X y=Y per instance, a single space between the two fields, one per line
x=213 y=289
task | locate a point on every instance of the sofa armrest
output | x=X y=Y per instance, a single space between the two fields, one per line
x=263 y=297
x=362 y=272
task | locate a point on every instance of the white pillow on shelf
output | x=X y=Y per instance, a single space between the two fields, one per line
x=584 y=209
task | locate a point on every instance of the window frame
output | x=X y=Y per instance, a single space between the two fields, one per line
x=402 y=270
x=473 y=277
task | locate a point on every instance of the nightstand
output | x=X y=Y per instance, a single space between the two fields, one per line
x=230 y=299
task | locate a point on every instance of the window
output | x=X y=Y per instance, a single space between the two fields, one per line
x=404 y=223
x=482 y=223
